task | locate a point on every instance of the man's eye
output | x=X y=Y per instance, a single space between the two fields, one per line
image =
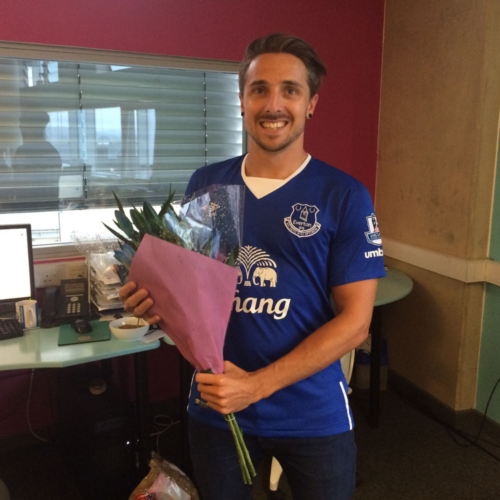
x=258 y=90
x=291 y=91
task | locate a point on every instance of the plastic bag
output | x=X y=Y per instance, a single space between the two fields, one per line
x=216 y=212
x=164 y=482
x=99 y=254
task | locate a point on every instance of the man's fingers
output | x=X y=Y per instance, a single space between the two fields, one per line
x=217 y=404
x=208 y=389
x=137 y=303
x=218 y=408
x=135 y=300
x=142 y=308
x=208 y=378
x=210 y=398
x=126 y=290
x=152 y=320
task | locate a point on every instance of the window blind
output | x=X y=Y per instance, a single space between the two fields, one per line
x=71 y=134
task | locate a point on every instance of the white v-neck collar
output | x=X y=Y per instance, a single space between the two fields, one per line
x=261 y=186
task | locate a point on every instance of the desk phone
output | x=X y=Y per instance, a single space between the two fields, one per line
x=69 y=301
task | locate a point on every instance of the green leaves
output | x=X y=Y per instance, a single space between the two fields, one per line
x=233 y=258
x=124 y=224
x=142 y=222
x=206 y=250
x=132 y=243
x=166 y=225
x=166 y=205
x=118 y=203
x=149 y=213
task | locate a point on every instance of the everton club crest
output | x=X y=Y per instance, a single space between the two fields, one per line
x=302 y=221
x=373 y=233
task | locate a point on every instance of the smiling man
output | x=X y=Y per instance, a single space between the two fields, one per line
x=307 y=230
x=276 y=99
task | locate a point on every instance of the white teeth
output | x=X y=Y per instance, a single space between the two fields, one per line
x=273 y=124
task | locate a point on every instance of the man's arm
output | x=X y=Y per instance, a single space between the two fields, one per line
x=236 y=389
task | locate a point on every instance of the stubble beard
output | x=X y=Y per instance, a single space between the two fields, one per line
x=278 y=147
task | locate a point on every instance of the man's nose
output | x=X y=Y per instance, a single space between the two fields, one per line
x=274 y=103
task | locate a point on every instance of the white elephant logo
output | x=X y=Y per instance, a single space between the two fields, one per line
x=265 y=274
x=258 y=269
x=248 y=258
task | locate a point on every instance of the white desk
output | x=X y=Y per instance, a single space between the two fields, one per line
x=38 y=349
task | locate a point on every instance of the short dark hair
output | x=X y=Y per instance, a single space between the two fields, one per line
x=279 y=43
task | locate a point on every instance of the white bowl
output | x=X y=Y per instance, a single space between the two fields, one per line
x=129 y=333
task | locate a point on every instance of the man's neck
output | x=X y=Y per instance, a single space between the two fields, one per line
x=273 y=165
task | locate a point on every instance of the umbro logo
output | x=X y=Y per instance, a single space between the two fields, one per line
x=374 y=253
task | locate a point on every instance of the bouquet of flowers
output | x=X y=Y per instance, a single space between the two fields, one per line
x=187 y=261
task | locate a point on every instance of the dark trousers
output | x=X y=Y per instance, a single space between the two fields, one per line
x=316 y=468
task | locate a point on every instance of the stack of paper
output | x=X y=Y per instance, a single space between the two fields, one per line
x=105 y=283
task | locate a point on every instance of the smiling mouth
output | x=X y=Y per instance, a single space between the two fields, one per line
x=273 y=125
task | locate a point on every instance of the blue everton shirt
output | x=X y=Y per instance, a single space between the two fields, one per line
x=318 y=230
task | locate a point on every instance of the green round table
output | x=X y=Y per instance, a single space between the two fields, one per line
x=395 y=286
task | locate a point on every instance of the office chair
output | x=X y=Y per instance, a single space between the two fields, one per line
x=347 y=362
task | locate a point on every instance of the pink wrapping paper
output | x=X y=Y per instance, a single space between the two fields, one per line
x=193 y=295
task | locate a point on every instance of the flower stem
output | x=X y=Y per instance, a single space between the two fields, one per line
x=241 y=456
x=246 y=465
x=248 y=460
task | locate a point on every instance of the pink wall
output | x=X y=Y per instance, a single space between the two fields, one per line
x=347 y=35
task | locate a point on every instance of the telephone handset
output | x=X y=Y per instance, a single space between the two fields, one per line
x=67 y=302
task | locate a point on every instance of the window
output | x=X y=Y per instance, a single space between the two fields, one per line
x=72 y=133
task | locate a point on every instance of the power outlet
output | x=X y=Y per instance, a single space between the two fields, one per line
x=72 y=270
x=46 y=275
x=51 y=274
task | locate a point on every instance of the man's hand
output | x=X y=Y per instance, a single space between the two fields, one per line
x=236 y=389
x=231 y=392
x=137 y=302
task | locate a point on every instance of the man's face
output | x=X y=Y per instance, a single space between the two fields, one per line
x=276 y=101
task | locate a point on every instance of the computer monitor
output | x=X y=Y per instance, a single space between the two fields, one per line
x=17 y=278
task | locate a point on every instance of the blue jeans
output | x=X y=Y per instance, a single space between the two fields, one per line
x=316 y=468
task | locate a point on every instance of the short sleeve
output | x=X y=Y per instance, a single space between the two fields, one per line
x=356 y=251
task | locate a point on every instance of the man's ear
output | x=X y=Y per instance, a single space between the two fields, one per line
x=312 y=104
x=242 y=108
